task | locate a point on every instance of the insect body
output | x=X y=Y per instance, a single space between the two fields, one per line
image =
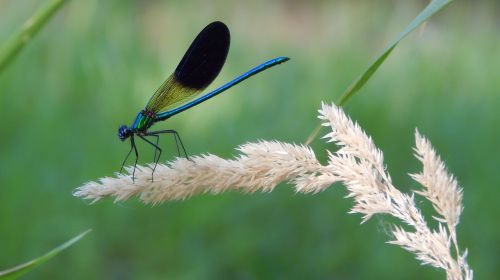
x=197 y=69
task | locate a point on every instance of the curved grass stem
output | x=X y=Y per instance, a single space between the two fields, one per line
x=28 y=30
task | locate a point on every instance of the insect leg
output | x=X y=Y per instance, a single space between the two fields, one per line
x=129 y=152
x=157 y=148
x=136 y=156
x=176 y=136
x=157 y=141
x=177 y=146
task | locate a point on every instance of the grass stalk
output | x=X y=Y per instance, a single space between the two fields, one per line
x=28 y=30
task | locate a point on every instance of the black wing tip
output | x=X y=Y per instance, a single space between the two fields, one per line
x=218 y=24
x=205 y=57
x=219 y=27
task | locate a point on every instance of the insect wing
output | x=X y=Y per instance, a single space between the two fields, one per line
x=197 y=69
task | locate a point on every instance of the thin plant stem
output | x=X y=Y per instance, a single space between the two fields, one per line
x=433 y=7
x=28 y=30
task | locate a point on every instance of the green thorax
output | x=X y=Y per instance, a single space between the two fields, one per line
x=143 y=121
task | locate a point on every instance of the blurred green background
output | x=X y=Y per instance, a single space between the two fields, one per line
x=95 y=65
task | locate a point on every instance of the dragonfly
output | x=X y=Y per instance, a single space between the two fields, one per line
x=198 y=68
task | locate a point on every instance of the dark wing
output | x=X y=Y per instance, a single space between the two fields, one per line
x=200 y=65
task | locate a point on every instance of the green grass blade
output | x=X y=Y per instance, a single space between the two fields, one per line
x=28 y=30
x=361 y=81
x=19 y=270
x=433 y=7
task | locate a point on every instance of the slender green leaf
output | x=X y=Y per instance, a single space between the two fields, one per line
x=433 y=7
x=19 y=270
x=28 y=30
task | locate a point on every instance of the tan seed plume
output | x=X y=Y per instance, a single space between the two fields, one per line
x=357 y=163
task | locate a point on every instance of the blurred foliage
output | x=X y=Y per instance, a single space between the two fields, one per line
x=18 y=271
x=433 y=7
x=10 y=48
x=96 y=64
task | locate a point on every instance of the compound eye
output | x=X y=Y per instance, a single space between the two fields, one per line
x=123 y=132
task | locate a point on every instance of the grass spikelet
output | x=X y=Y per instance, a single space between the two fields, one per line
x=357 y=163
